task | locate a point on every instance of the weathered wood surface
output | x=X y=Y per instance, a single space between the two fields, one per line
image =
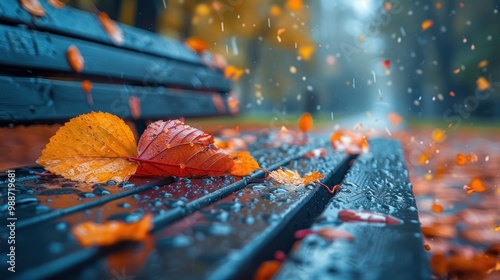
x=86 y=26
x=377 y=182
x=50 y=212
x=36 y=100
x=39 y=85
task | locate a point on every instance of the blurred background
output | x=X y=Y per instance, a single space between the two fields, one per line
x=420 y=59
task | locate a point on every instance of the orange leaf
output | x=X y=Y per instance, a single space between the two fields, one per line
x=438 y=135
x=312 y=177
x=171 y=148
x=461 y=159
x=482 y=84
x=231 y=72
x=350 y=142
x=294 y=5
x=292 y=177
x=56 y=3
x=426 y=24
x=306 y=122
x=267 y=270
x=111 y=28
x=436 y=207
x=475 y=185
x=244 y=163
x=91 y=148
x=33 y=7
x=93 y=234
x=306 y=51
x=75 y=59
x=285 y=176
x=196 y=44
x=395 y=119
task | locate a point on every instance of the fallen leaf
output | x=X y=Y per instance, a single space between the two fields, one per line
x=482 y=64
x=436 y=230
x=439 y=264
x=275 y=10
x=33 y=7
x=244 y=163
x=438 y=135
x=469 y=268
x=112 y=29
x=56 y=3
x=294 y=5
x=171 y=148
x=475 y=185
x=386 y=63
x=288 y=177
x=426 y=24
x=437 y=207
x=306 y=122
x=134 y=104
x=313 y=177
x=267 y=270
x=350 y=216
x=395 y=119
x=87 y=88
x=306 y=52
x=91 y=148
x=196 y=44
x=332 y=234
x=482 y=84
x=75 y=59
x=231 y=72
x=317 y=153
x=350 y=142
x=93 y=234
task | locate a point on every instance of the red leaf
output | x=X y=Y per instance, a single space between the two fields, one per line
x=350 y=216
x=172 y=148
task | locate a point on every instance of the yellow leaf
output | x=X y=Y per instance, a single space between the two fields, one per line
x=91 y=148
x=92 y=234
x=244 y=163
x=295 y=5
x=306 y=52
x=285 y=176
x=482 y=84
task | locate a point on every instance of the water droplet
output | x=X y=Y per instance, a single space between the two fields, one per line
x=123 y=205
x=177 y=241
x=101 y=191
x=216 y=229
x=41 y=209
x=86 y=195
x=56 y=248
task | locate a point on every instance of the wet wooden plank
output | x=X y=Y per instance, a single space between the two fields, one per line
x=378 y=183
x=168 y=203
x=39 y=100
x=86 y=26
x=33 y=52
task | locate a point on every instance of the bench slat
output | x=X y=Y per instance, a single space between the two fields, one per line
x=45 y=54
x=39 y=100
x=377 y=182
x=83 y=25
x=54 y=231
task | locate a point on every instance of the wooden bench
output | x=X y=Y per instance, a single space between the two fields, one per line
x=162 y=77
x=204 y=228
